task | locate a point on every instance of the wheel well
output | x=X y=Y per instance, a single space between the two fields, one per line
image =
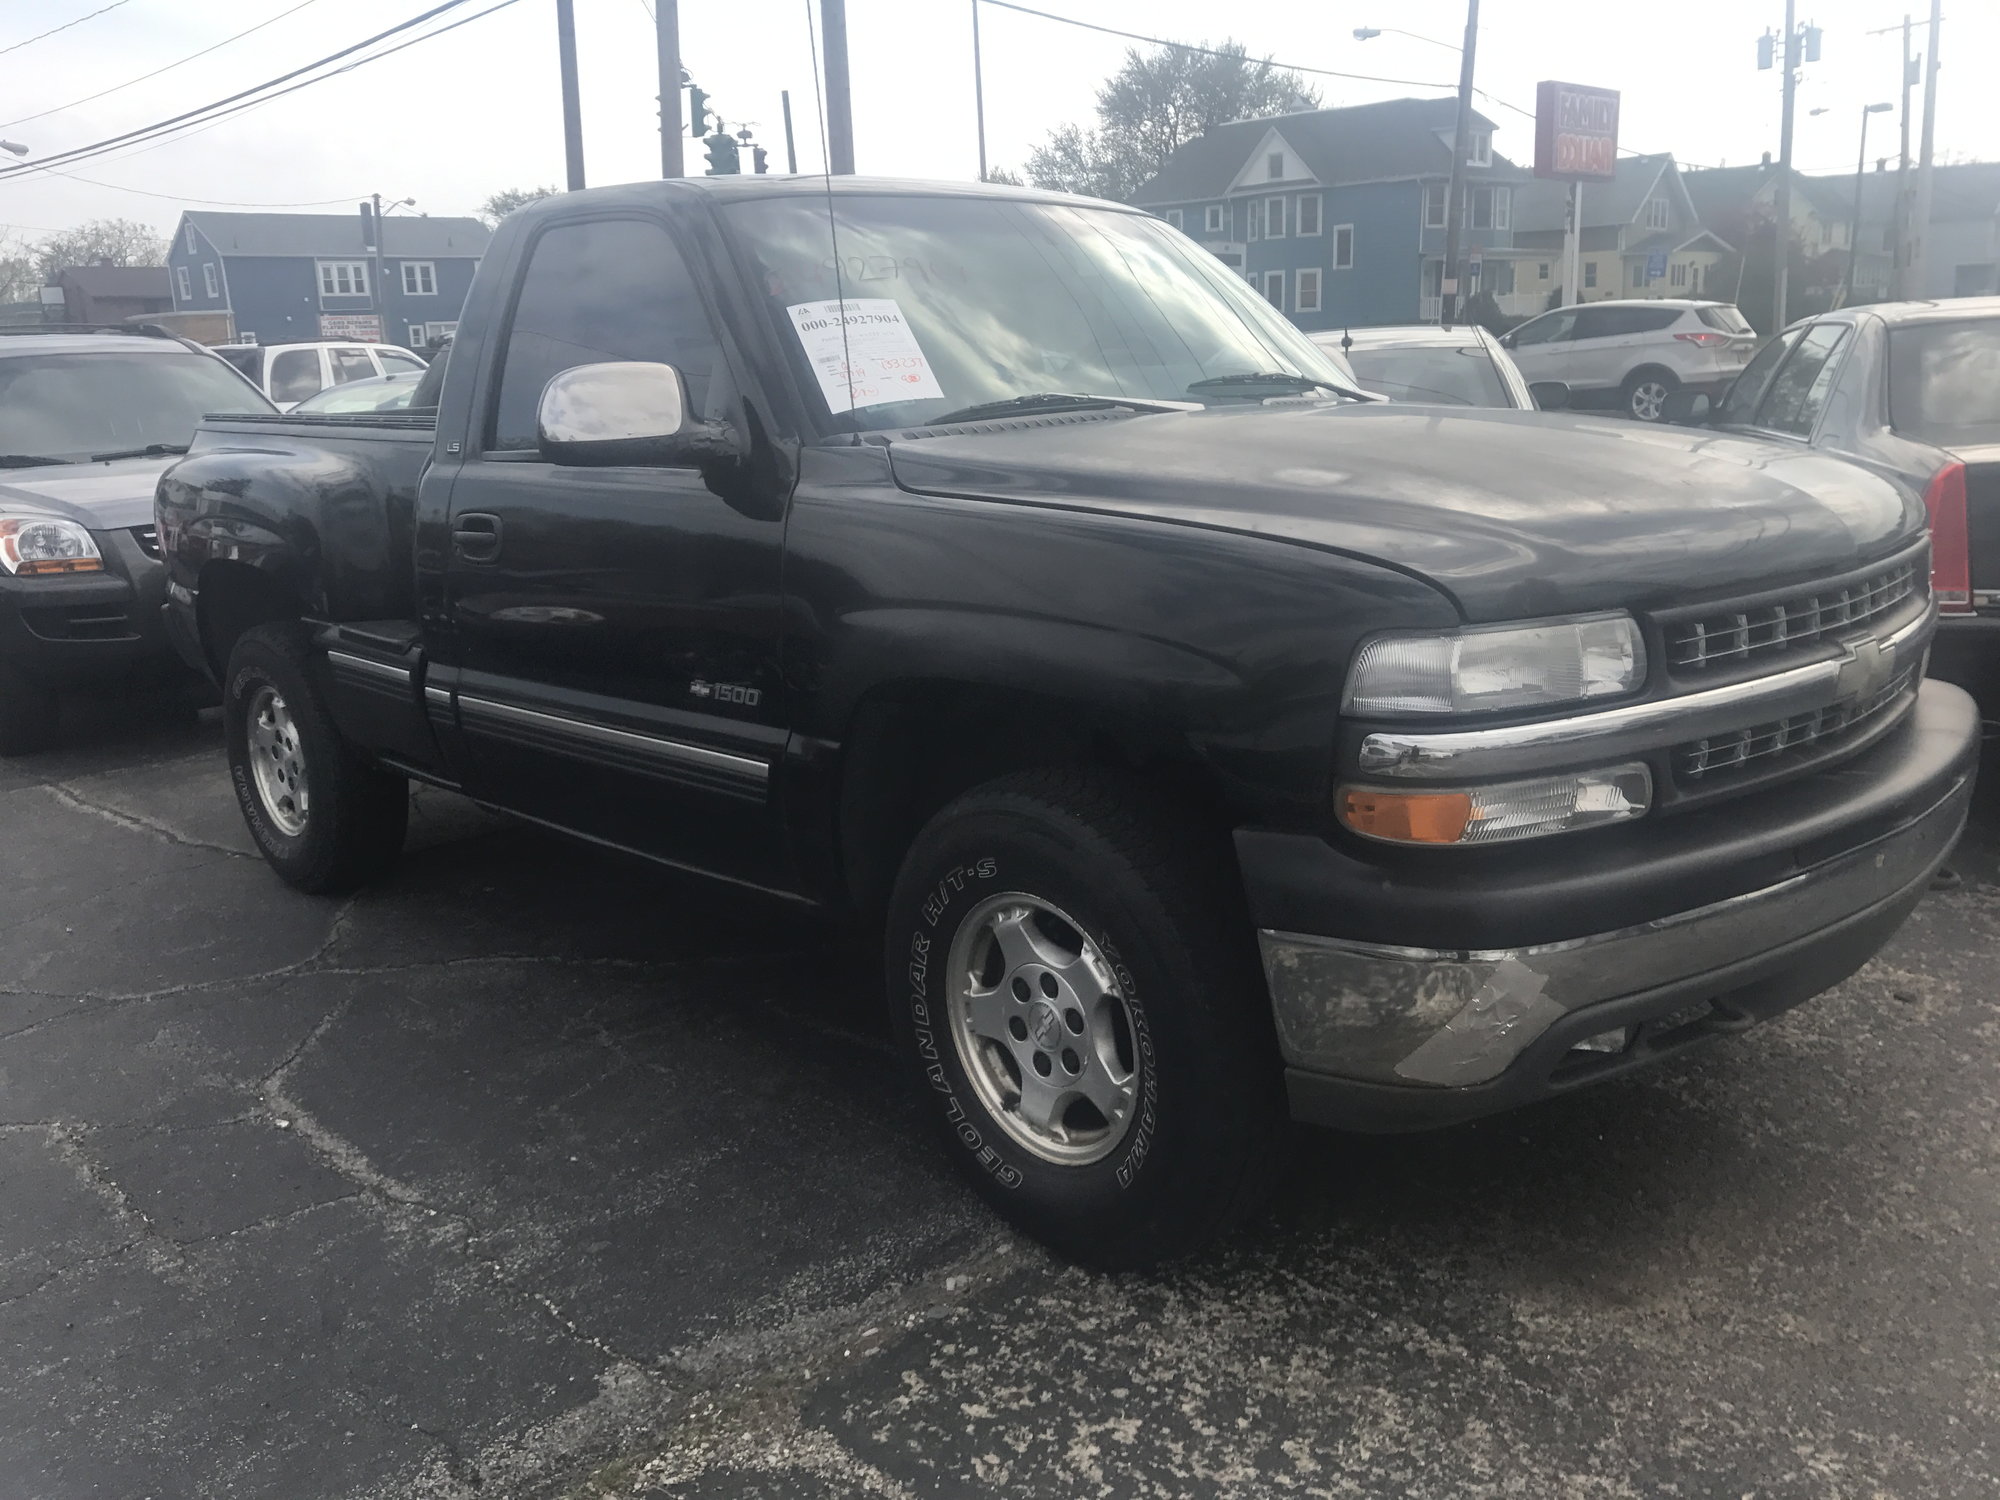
x=1661 y=371
x=912 y=749
x=235 y=597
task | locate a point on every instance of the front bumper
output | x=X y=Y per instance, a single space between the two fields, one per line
x=1474 y=985
x=93 y=628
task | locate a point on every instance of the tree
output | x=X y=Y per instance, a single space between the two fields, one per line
x=503 y=203
x=1155 y=103
x=114 y=242
x=19 y=280
x=1002 y=175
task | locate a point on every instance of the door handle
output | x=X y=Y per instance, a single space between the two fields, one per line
x=475 y=536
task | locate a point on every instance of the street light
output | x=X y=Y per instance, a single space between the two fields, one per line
x=14 y=146
x=1369 y=33
x=1854 y=225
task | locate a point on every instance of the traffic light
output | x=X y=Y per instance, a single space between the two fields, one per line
x=724 y=159
x=697 y=113
x=1767 y=48
x=760 y=159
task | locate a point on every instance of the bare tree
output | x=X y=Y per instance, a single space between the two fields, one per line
x=19 y=280
x=503 y=203
x=114 y=242
x=1155 y=103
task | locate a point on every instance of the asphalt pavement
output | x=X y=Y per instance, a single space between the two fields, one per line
x=535 y=1172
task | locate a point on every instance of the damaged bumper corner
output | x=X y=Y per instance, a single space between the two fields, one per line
x=1380 y=1037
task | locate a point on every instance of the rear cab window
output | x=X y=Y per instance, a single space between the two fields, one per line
x=1944 y=381
x=295 y=374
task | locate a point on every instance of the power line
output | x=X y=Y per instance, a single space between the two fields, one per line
x=119 y=187
x=64 y=27
x=88 y=98
x=204 y=109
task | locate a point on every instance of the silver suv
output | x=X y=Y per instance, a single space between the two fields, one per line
x=1631 y=356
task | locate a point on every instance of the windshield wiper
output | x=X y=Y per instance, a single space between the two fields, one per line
x=29 y=460
x=151 y=450
x=1021 y=406
x=1283 y=379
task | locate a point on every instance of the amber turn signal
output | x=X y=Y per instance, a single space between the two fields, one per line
x=1407 y=817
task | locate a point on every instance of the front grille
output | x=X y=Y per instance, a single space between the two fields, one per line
x=1796 y=620
x=148 y=540
x=1701 y=762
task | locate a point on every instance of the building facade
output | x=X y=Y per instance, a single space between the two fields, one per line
x=107 y=294
x=297 y=278
x=1337 y=216
x=1642 y=237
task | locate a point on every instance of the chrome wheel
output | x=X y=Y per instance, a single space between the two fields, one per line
x=1042 y=1029
x=277 y=763
x=1648 y=400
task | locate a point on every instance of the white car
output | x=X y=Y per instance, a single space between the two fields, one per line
x=1632 y=355
x=1461 y=366
x=288 y=373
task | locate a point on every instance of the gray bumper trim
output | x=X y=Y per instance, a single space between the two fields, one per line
x=1452 y=1018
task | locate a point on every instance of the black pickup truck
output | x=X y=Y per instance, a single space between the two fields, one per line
x=1210 y=745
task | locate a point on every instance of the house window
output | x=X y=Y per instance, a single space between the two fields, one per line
x=1343 y=247
x=1481 y=154
x=1308 y=222
x=1274 y=289
x=418 y=338
x=187 y=238
x=1274 y=165
x=343 y=278
x=1638 y=273
x=1274 y=218
x=1542 y=271
x=1435 y=194
x=208 y=280
x=1214 y=220
x=420 y=276
x=181 y=282
x=1658 y=215
x=1306 y=292
x=1254 y=219
x=1677 y=274
x=1503 y=208
x=1590 y=273
x=1491 y=208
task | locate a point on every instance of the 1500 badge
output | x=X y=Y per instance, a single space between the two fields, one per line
x=726 y=692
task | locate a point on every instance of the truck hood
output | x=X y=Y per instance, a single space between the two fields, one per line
x=101 y=496
x=1513 y=514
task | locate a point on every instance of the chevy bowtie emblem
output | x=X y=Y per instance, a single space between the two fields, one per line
x=1867 y=668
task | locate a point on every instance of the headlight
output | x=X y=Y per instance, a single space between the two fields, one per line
x=1499 y=813
x=1491 y=668
x=44 y=544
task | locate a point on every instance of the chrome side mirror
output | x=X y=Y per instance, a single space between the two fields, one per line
x=623 y=413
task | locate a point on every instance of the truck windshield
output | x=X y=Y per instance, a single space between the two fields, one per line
x=69 y=406
x=899 y=309
x=1944 y=381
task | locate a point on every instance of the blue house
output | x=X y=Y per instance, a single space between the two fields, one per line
x=296 y=278
x=1338 y=215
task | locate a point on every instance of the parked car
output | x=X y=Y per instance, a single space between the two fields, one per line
x=88 y=419
x=1461 y=366
x=1205 y=744
x=289 y=373
x=1631 y=356
x=1910 y=390
x=382 y=393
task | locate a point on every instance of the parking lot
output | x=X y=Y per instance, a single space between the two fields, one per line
x=533 y=1172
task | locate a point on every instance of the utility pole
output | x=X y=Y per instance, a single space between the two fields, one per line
x=1461 y=143
x=1903 y=175
x=1788 y=50
x=791 y=151
x=381 y=289
x=1854 y=225
x=1573 y=247
x=1920 y=228
x=667 y=30
x=978 y=90
x=839 y=101
x=571 y=105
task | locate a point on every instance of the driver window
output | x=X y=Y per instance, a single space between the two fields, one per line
x=1556 y=326
x=593 y=293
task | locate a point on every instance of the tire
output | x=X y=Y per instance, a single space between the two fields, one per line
x=1643 y=396
x=325 y=819
x=29 y=713
x=1115 y=905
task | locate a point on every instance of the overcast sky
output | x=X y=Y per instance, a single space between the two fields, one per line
x=453 y=120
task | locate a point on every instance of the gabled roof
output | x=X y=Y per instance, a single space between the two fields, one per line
x=1395 y=139
x=1543 y=203
x=338 y=234
x=117 y=281
x=1722 y=193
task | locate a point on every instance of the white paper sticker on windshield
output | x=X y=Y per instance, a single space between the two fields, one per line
x=863 y=352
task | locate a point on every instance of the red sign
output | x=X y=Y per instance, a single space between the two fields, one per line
x=1576 y=131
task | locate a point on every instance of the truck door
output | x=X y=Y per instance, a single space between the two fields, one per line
x=616 y=629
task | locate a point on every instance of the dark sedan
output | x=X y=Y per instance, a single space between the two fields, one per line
x=1910 y=390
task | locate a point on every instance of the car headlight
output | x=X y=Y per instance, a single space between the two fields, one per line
x=47 y=544
x=1496 y=668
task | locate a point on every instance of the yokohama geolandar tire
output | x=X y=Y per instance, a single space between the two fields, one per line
x=324 y=817
x=1072 y=973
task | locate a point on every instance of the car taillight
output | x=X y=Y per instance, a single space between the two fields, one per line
x=1706 y=340
x=1951 y=542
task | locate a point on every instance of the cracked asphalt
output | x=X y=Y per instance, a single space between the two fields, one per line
x=537 y=1173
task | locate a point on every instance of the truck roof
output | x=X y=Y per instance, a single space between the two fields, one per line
x=805 y=185
x=82 y=341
